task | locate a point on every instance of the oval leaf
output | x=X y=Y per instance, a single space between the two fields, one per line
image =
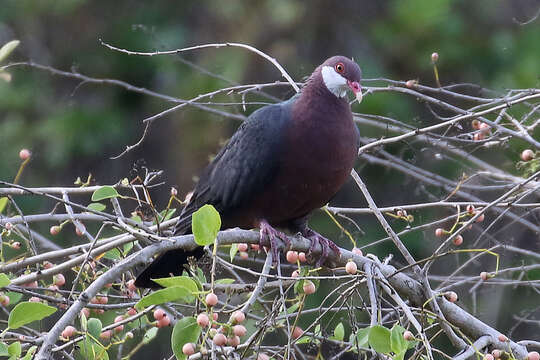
x=206 y=223
x=94 y=327
x=4 y=280
x=379 y=339
x=184 y=281
x=97 y=206
x=104 y=192
x=26 y=312
x=185 y=331
x=397 y=342
x=8 y=48
x=30 y=353
x=164 y=295
x=15 y=349
x=339 y=332
x=149 y=335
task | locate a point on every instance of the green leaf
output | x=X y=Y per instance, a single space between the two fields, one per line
x=97 y=206
x=233 y=251
x=200 y=278
x=225 y=281
x=92 y=350
x=4 y=280
x=400 y=355
x=165 y=295
x=14 y=297
x=3 y=349
x=113 y=254
x=362 y=337
x=379 y=339
x=397 y=342
x=94 y=327
x=104 y=192
x=206 y=223
x=185 y=331
x=3 y=203
x=15 y=349
x=149 y=335
x=30 y=353
x=26 y=312
x=84 y=321
x=184 y=281
x=339 y=332
x=304 y=340
x=7 y=49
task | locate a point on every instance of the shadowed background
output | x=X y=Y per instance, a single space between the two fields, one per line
x=74 y=130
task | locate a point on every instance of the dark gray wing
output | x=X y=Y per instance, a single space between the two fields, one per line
x=244 y=166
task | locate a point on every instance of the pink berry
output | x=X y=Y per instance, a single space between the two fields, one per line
x=357 y=251
x=302 y=257
x=55 y=230
x=255 y=247
x=484 y=275
x=496 y=353
x=527 y=155
x=53 y=287
x=485 y=128
x=309 y=287
x=215 y=316
x=243 y=247
x=165 y=321
x=480 y=218
x=34 y=299
x=488 y=357
x=451 y=296
x=85 y=312
x=407 y=335
x=439 y=232
x=16 y=245
x=297 y=332
x=434 y=57
x=533 y=355
x=159 y=314
x=233 y=341
x=4 y=300
x=131 y=285
x=411 y=83
x=47 y=265
x=174 y=191
x=295 y=274
x=118 y=318
x=103 y=299
x=243 y=255
x=8 y=226
x=131 y=312
x=220 y=339
x=32 y=284
x=106 y=334
x=238 y=317
x=68 y=332
x=292 y=256
x=119 y=328
x=263 y=356
x=503 y=338
x=203 y=320
x=24 y=154
x=458 y=240
x=211 y=299
x=188 y=349
x=239 y=330
x=351 y=268
x=59 y=280
x=470 y=209
x=129 y=335
x=475 y=124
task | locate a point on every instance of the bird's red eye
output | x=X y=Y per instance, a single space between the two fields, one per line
x=340 y=68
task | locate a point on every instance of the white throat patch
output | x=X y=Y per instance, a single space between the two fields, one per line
x=336 y=83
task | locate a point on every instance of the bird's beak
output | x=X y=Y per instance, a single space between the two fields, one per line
x=356 y=89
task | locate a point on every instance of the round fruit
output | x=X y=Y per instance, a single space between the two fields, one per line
x=239 y=330
x=68 y=332
x=484 y=275
x=159 y=314
x=211 y=299
x=59 y=280
x=220 y=339
x=458 y=240
x=24 y=154
x=439 y=232
x=533 y=355
x=451 y=296
x=203 y=320
x=297 y=332
x=351 y=268
x=238 y=317
x=292 y=256
x=242 y=247
x=357 y=251
x=407 y=335
x=302 y=257
x=188 y=349
x=527 y=155
x=309 y=287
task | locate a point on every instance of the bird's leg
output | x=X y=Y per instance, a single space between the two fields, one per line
x=267 y=231
x=325 y=244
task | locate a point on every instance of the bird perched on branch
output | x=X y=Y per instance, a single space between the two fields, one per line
x=283 y=162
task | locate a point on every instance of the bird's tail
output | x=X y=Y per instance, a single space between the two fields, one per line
x=170 y=262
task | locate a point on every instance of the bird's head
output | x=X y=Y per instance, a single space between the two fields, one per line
x=340 y=74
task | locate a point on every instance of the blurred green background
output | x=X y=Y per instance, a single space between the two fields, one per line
x=74 y=130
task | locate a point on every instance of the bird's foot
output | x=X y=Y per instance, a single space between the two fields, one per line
x=326 y=245
x=268 y=232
